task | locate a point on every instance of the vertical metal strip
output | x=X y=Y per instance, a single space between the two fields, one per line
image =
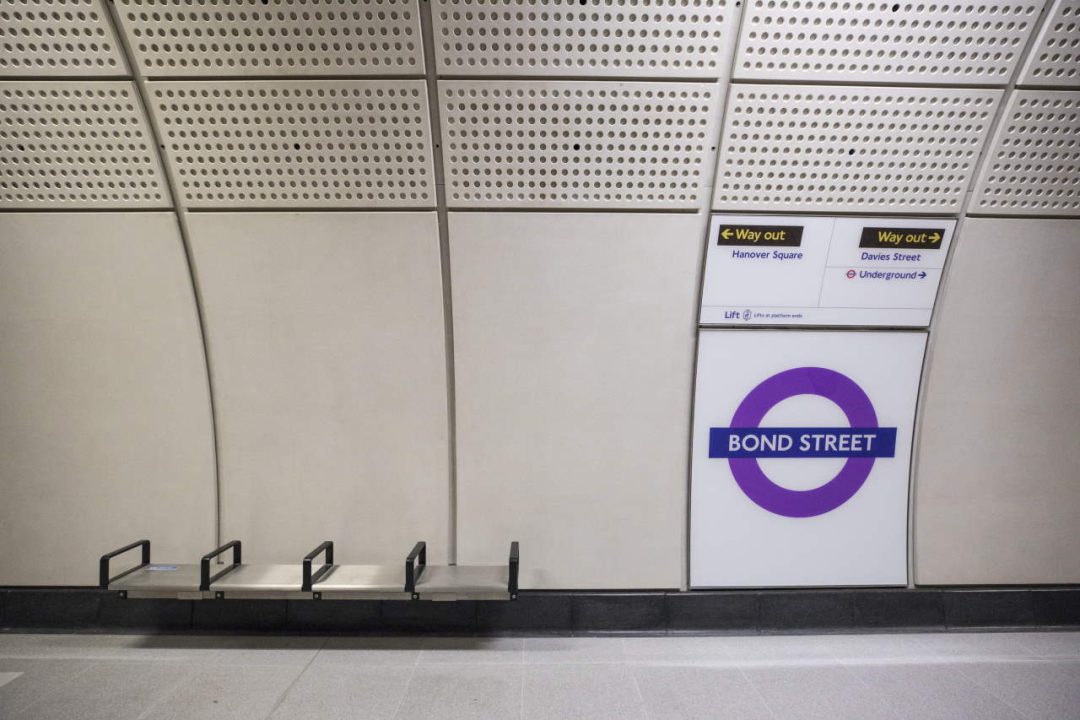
x=924 y=380
x=168 y=172
x=427 y=33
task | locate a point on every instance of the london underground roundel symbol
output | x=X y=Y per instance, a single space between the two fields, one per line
x=745 y=442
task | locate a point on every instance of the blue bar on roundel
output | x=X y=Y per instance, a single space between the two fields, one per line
x=780 y=442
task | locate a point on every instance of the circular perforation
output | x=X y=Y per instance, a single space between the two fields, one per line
x=277 y=37
x=56 y=37
x=1055 y=60
x=76 y=144
x=816 y=148
x=643 y=38
x=536 y=144
x=956 y=42
x=298 y=144
x=1035 y=166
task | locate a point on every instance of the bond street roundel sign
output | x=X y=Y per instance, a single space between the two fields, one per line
x=745 y=442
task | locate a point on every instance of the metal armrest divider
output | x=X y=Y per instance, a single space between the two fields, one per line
x=512 y=583
x=103 y=574
x=328 y=563
x=413 y=571
x=204 y=571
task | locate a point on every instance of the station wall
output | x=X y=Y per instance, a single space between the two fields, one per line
x=105 y=427
x=573 y=343
x=996 y=495
x=329 y=367
x=398 y=270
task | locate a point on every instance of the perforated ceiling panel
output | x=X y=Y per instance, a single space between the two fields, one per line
x=77 y=145
x=1034 y=165
x=47 y=38
x=806 y=148
x=298 y=143
x=1055 y=59
x=274 y=38
x=952 y=42
x=577 y=144
x=635 y=38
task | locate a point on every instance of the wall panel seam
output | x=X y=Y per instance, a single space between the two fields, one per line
x=169 y=179
x=431 y=79
x=724 y=91
x=932 y=332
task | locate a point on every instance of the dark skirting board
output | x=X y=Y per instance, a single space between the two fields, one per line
x=543 y=612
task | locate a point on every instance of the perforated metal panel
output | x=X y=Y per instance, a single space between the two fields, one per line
x=635 y=38
x=953 y=42
x=77 y=145
x=818 y=149
x=1055 y=58
x=1034 y=160
x=298 y=143
x=47 y=38
x=274 y=37
x=577 y=144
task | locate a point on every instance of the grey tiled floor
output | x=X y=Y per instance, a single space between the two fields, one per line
x=1015 y=676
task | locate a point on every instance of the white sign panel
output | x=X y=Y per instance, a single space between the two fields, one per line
x=802 y=448
x=791 y=270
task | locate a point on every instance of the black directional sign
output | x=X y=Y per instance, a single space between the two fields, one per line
x=902 y=238
x=762 y=235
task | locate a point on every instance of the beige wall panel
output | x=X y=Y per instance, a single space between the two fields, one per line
x=574 y=342
x=328 y=354
x=105 y=426
x=997 y=496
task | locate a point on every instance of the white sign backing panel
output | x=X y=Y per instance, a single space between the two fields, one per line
x=808 y=270
x=801 y=457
